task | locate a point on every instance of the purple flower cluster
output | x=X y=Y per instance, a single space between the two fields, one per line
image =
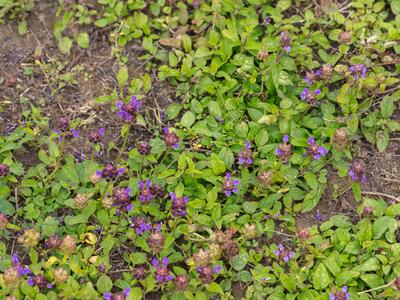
x=206 y=273
x=122 y=199
x=22 y=270
x=96 y=136
x=39 y=281
x=342 y=294
x=162 y=272
x=4 y=170
x=140 y=225
x=171 y=139
x=245 y=157
x=309 y=96
x=312 y=76
x=117 y=296
x=178 y=206
x=230 y=185
x=286 y=42
x=283 y=253
x=324 y=73
x=146 y=194
x=127 y=111
x=358 y=71
x=110 y=172
x=64 y=130
x=284 y=150
x=315 y=151
x=357 y=171
x=143 y=148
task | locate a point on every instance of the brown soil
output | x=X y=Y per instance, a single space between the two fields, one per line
x=383 y=176
x=33 y=72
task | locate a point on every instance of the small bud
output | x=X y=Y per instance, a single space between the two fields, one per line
x=156 y=241
x=11 y=277
x=397 y=283
x=303 y=234
x=265 y=178
x=107 y=202
x=139 y=273
x=68 y=244
x=81 y=201
x=215 y=251
x=201 y=257
x=326 y=72
x=341 y=138
x=262 y=55
x=345 y=37
x=250 y=231
x=3 y=221
x=60 y=275
x=158 y=191
x=181 y=282
x=53 y=242
x=230 y=249
x=4 y=170
x=29 y=238
x=367 y=211
x=11 y=298
x=63 y=124
x=143 y=148
x=95 y=178
x=101 y=268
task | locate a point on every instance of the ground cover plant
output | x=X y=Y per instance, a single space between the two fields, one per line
x=222 y=149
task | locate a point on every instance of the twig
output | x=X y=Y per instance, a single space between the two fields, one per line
x=382 y=194
x=378 y=287
x=391 y=180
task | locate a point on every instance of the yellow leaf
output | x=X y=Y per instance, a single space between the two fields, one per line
x=51 y=261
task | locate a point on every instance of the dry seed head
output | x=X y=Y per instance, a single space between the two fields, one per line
x=68 y=244
x=29 y=238
x=60 y=275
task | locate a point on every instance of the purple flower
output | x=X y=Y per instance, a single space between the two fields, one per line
x=357 y=171
x=40 y=281
x=206 y=273
x=96 y=136
x=286 y=42
x=308 y=96
x=358 y=71
x=146 y=194
x=127 y=112
x=217 y=269
x=73 y=133
x=284 y=254
x=162 y=272
x=178 y=206
x=171 y=139
x=342 y=294
x=110 y=172
x=284 y=150
x=140 y=225
x=312 y=76
x=22 y=270
x=315 y=151
x=318 y=216
x=245 y=157
x=230 y=185
x=123 y=295
x=122 y=200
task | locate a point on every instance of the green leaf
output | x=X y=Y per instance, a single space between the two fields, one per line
x=382 y=140
x=6 y=207
x=173 y=111
x=22 y=27
x=373 y=280
x=104 y=284
x=122 y=76
x=311 y=200
x=65 y=45
x=395 y=6
x=136 y=293
x=227 y=156
x=311 y=180
x=104 y=219
x=217 y=164
x=138 y=258
x=240 y=262
x=83 y=40
x=188 y=119
x=214 y=287
x=321 y=277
